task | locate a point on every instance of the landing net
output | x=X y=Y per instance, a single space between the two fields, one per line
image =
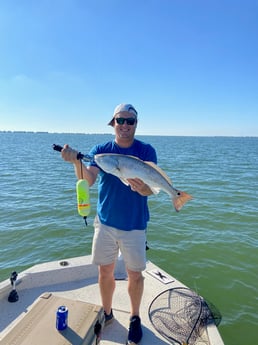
x=180 y=315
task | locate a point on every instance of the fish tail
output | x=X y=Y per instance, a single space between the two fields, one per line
x=180 y=199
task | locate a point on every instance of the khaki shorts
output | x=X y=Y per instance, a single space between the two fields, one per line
x=107 y=241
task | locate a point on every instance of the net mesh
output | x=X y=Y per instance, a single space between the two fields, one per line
x=180 y=315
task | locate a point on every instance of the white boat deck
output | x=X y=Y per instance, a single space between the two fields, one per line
x=78 y=281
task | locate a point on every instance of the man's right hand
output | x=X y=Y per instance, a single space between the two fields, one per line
x=69 y=154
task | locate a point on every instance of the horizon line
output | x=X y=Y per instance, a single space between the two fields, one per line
x=111 y=134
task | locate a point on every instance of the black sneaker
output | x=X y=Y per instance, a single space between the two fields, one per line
x=135 y=331
x=108 y=317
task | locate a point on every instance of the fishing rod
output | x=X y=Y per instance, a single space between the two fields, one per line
x=86 y=158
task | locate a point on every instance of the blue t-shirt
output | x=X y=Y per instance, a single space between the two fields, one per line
x=118 y=206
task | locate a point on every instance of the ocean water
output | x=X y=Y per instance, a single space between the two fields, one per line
x=211 y=245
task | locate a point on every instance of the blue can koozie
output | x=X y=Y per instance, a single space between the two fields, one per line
x=62 y=318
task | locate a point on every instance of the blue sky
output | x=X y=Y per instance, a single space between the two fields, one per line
x=190 y=67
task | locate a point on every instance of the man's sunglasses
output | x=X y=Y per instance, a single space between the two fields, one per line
x=130 y=120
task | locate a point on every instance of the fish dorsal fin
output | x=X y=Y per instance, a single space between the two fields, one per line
x=159 y=170
x=154 y=166
x=134 y=157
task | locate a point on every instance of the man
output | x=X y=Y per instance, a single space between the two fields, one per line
x=122 y=215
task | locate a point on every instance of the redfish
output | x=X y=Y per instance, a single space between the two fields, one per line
x=128 y=167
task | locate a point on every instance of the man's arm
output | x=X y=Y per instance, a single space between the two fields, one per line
x=88 y=173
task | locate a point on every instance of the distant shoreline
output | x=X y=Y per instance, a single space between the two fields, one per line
x=138 y=135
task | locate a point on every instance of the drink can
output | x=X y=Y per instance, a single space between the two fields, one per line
x=62 y=318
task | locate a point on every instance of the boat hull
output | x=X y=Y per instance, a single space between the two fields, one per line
x=77 y=279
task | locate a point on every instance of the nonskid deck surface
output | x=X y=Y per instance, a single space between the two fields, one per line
x=78 y=281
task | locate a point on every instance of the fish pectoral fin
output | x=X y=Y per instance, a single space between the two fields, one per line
x=155 y=190
x=124 y=180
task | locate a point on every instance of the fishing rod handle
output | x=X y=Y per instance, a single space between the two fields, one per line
x=59 y=148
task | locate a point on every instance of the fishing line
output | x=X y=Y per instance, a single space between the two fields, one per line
x=81 y=169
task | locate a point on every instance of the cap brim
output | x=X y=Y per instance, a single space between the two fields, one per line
x=111 y=122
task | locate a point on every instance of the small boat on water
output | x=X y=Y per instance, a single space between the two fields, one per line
x=170 y=312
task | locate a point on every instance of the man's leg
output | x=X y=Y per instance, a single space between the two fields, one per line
x=107 y=286
x=135 y=291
